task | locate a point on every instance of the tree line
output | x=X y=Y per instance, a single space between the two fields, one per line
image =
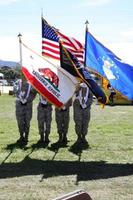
x=10 y=74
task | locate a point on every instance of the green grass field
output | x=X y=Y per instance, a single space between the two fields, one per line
x=105 y=170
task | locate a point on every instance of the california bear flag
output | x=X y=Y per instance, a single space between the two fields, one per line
x=51 y=81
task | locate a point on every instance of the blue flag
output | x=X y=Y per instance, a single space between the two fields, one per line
x=107 y=64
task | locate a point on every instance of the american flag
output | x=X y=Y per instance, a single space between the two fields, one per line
x=73 y=45
x=51 y=39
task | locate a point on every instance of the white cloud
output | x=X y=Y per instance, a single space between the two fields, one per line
x=95 y=2
x=9 y=46
x=128 y=34
x=123 y=50
x=6 y=2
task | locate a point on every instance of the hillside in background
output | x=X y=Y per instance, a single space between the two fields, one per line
x=8 y=63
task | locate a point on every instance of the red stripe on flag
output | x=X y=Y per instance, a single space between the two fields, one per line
x=44 y=42
x=71 y=42
x=50 y=55
x=40 y=88
x=73 y=45
x=49 y=49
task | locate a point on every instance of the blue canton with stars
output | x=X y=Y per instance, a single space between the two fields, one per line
x=48 y=32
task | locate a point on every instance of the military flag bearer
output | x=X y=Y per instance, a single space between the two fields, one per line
x=44 y=117
x=25 y=95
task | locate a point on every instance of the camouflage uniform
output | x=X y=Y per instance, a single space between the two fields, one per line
x=15 y=87
x=82 y=111
x=44 y=117
x=62 y=118
x=24 y=98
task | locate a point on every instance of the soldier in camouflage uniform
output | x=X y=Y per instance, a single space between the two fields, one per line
x=82 y=107
x=62 y=118
x=24 y=98
x=44 y=117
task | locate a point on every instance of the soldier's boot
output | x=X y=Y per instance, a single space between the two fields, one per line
x=60 y=138
x=79 y=139
x=26 y=137
x=42 y=137
x=85 y=142
x=21 y=139
x=64 y=139
x=46 y=138
x=84 y=139
x=41 y=140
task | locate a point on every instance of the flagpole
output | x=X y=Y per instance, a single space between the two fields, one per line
x=41 y=12
x=20 y=48
x=86 y=30
x=86 y=25
x=41 y=28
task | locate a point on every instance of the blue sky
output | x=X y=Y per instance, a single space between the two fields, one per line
x=110 y=21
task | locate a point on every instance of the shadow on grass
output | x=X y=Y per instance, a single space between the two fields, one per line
x=15 y=145
x=49 y=168
x=78 y=147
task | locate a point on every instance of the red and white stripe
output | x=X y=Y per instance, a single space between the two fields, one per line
x=73 y=45
x=52 y=49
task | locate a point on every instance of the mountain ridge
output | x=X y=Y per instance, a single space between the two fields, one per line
x=11 y=64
